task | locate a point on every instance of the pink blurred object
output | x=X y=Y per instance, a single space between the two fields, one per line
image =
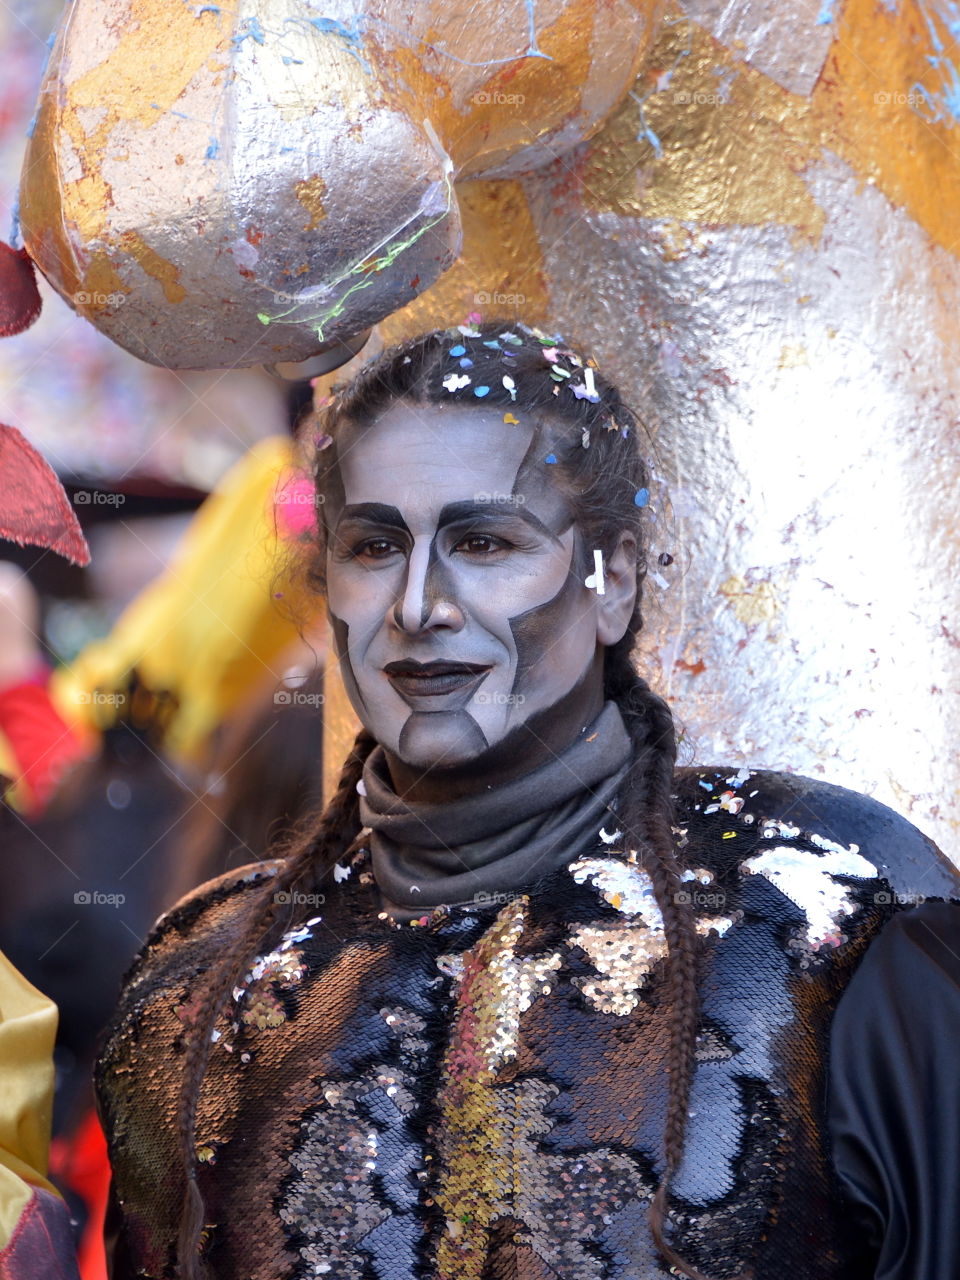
x=296 y=507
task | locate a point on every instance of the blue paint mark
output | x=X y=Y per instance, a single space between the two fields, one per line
x=551 y=457
x=213 y=150
x=292 y=62
x=661 y=83
x=31 y=127
x=480 y=391
x=942 y=104
x=826 y=13
x=207 y=8
x=466 y=363
x=250 y=29
x=532 y=50
x=331 y=26
x=458 y=350
x=14 y=239
x=654 y=141
x=641 y=497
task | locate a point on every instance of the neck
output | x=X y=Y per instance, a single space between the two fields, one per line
x=543 y=737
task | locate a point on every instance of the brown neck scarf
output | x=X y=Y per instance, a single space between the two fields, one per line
x=499 y=841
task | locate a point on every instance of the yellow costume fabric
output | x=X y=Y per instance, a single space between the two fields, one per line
x=209 y=628
x=28 y=1025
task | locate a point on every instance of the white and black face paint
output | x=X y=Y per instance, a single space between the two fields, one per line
x=456 y=587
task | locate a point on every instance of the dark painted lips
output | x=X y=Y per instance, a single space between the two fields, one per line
x=432 y=679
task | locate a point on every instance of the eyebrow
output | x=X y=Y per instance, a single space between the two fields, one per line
x=375 y=513
x=381 y=513
x=454 y=512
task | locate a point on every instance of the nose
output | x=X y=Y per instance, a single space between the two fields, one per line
x=428 y=596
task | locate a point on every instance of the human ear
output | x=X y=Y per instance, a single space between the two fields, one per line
x=615 y=606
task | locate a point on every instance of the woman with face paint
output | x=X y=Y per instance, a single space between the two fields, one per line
x=531 y=1002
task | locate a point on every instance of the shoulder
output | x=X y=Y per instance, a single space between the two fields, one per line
x=924 y=941
x=781 y=804
x=238 y=881
x=191 y=933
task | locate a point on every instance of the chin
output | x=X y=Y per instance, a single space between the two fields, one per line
x=440 y=740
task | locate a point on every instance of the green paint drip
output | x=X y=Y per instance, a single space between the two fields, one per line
x=368 y=270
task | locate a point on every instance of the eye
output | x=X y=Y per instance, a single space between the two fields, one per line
x=375 y=549
x=480 y=544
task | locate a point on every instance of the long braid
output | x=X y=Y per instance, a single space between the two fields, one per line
x=305 y=866
x=647 y=817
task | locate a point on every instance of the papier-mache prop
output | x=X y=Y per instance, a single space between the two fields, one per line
x=221 y=185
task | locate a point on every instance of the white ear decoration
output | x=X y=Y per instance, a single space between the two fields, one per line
x=595 y=581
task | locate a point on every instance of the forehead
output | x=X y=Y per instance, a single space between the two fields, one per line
x=418 y=458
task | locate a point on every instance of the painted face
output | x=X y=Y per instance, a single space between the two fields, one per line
x=455 y=583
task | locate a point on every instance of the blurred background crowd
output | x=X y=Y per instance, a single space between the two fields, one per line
x=142 y=698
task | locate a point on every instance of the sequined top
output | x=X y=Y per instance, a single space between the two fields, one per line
x=481 y=1096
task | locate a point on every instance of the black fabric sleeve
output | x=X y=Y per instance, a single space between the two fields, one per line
x=894 y=1096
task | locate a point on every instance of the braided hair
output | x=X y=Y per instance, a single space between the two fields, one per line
x=593 y=436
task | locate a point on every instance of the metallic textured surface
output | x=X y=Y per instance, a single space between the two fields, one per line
x=223 y=185
x=771 y=277
x=483 y=1097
